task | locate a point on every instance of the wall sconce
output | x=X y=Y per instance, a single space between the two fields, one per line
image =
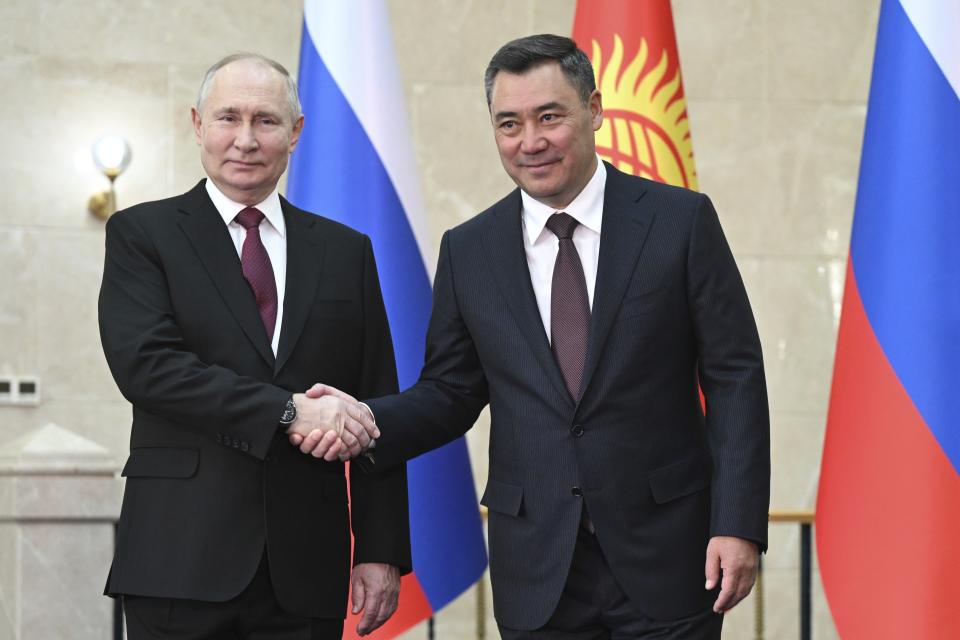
x=111 y=154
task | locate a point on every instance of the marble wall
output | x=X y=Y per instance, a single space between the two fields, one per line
x=776 y=97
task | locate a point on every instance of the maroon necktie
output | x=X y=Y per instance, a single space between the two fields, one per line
x=569 y=306
x=257 y=268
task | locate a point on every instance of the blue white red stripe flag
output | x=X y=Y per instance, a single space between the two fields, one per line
x=888 y=509
x=354 y=163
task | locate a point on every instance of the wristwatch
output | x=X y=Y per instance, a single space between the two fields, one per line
x=289 y=412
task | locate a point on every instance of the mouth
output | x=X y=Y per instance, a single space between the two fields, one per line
x=539 y=167
x=241 y=164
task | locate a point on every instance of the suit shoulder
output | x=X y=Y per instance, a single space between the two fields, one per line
x=340 y=234
x=679 y=196
x=683 y=205
x=146 y=214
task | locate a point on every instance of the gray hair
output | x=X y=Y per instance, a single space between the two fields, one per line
x=522 y=54
x=292 y=95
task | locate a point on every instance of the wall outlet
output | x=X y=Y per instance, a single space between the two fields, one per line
x=19 y=390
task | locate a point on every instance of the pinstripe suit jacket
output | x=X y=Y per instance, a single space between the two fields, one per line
x=658 y=477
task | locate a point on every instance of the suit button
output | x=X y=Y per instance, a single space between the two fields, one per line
x=576 y=430
x=244 y=446
x=219 y=437
x=236 y=443
x=577 y=491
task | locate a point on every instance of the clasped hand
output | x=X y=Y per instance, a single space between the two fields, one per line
x=331 y=424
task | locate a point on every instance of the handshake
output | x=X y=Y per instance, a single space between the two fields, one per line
x=331 y=424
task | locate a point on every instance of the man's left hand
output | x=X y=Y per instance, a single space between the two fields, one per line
x=738 y=560
x=376 y=590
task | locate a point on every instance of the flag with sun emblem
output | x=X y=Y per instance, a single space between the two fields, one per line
x=633 y=49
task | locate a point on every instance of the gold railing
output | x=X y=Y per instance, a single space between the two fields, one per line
x=803 y=518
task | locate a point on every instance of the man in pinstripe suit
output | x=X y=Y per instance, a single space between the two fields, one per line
x=587 y=307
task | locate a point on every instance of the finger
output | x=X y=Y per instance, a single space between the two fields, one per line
x=712 y=568
x=333 y=452
x=390 y=605
x=349 y=439
x=358 y=593
x=365 y=419
x=327 y=390
x=311 y=440
x=322 y=446
x=356 y=431
x=371 y=611
x=383 y=614
x=296 y=439
x=728 y=592
x=744 y=588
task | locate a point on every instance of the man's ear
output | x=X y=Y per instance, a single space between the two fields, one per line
x=295 y=136
x=595 y=105
x=195 y=116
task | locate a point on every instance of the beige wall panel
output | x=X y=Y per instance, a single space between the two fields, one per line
x=70 y=358
x=183 y=82
x=721 y=47
x=172 y=31
x=820 y=50
x=792 y=300
x=18 y=347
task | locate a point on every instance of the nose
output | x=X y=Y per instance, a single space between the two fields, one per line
x=246 y=141
x=532 y=140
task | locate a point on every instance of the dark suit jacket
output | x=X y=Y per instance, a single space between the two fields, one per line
x=211 y=478
x=658 y=477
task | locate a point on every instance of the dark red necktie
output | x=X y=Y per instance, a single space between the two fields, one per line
x=569 y=305
x=257 y=268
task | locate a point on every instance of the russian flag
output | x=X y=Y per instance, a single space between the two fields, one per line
x=354 y=163
x=888 y=509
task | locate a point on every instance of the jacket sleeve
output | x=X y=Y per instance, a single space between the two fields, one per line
x=451 y=391
x=379 y=514
x=732 y=380
x=146 y=354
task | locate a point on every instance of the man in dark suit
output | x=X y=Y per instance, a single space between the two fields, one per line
x=588 y=307
x=215 y=306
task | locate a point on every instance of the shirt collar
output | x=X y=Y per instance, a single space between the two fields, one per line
x=586 y=208
x=228 y=209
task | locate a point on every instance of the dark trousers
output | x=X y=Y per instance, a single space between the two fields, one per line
x=253 y=615
x=594 y=607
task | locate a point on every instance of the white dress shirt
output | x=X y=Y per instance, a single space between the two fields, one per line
x=542 y=245
x=273 y=234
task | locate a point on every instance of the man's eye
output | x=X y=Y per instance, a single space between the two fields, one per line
x=549 y=117
x=508 y=125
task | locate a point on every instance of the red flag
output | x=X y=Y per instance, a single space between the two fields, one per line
x=888 y=507
x=634 y=52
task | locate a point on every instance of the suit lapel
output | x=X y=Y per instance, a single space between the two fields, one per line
x=503 y=244
x=625 y=228
x=211 y=241
x=305 y=252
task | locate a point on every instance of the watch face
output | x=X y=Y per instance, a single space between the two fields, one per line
x=289 y=413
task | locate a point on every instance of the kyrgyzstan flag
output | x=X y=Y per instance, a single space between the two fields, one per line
x=634 y=52
x=888 y=509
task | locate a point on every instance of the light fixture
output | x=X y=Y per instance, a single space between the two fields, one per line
x=111 y=154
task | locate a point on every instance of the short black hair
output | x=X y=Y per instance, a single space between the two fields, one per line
x=522 y=54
